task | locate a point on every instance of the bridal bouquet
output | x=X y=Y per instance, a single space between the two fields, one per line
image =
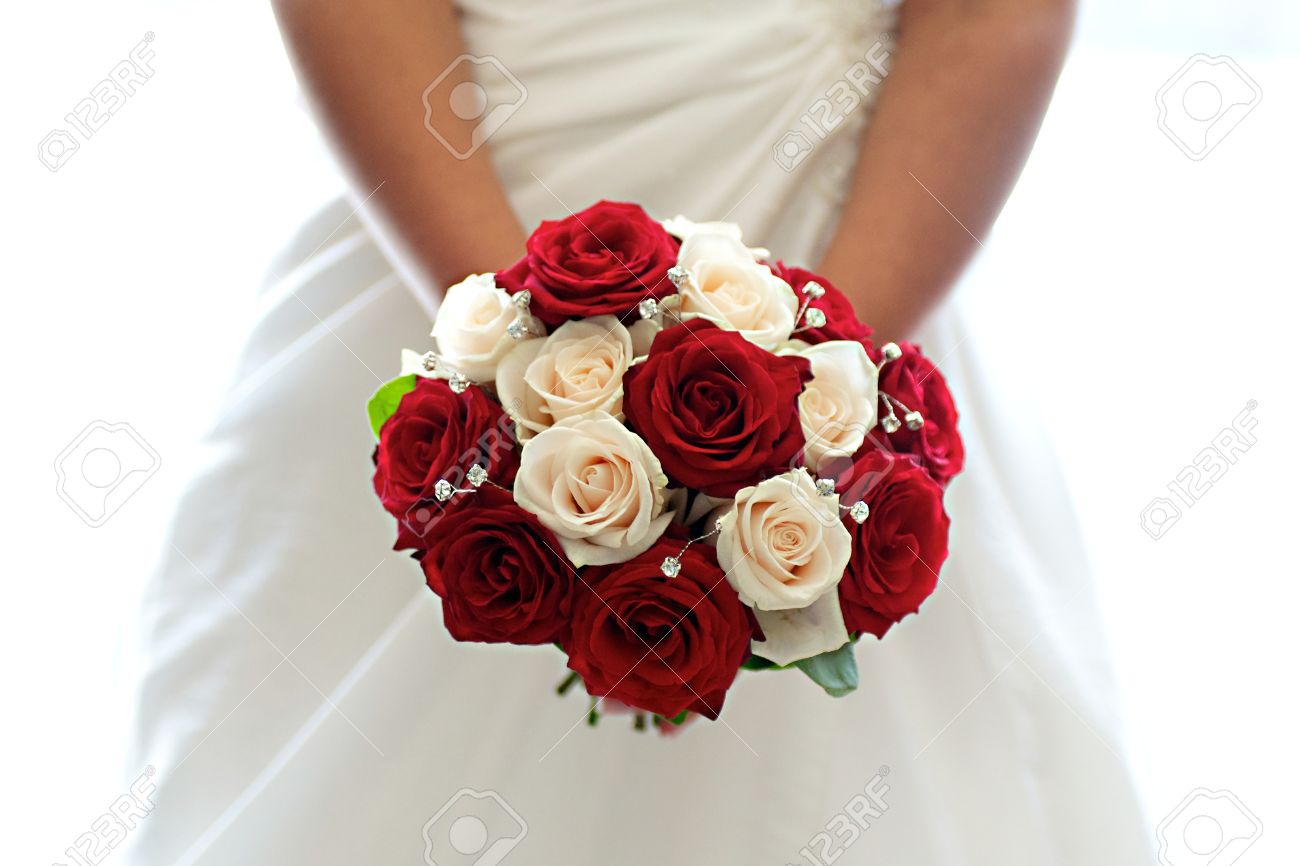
x=672 y=457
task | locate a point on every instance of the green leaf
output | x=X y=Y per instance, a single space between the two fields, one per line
x=757 y=663
x=384 y=403
x=835 y=671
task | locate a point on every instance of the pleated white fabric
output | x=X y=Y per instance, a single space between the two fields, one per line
x=302 y=702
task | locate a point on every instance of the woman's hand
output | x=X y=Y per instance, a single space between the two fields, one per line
x=955 y=120
x=366 y=66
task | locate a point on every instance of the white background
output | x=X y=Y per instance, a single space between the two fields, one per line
x=1145 y=296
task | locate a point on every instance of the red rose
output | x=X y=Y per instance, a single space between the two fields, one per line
x=606 y=259
x=841 y=321
x=919 y=385
x=438 y=434
x=499 y=573
x=899 y=549
x=662 y=644
x=719 y=412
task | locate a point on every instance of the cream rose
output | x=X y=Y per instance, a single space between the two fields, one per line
x=838 y=407
x=682 y=228
x=643 y=333
x=733 y=291
x=413 y=364
x=793 y=635
x=782 y=543
x=597 y=486
x=575 y=371
x=471 y=326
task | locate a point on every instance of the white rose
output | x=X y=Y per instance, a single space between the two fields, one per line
x=575 y=371
x=838 y=407
x=792 y=635
x=733 y=291
x=682 y=228
x=413 y=364
x=643 y=332
x=792 y=346
x=782 y=544
x=470 y=328
x=597 y=486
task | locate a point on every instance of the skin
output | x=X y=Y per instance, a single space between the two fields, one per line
x=363 y=64
x=952 y=127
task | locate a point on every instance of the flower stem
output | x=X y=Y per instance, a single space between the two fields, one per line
x=567 y=683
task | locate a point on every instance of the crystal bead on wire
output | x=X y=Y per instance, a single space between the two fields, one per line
x=891 y=352
x=648 y=308
x=813 y=289
x=518 y=329
x=442 y=491
x=457 y=383
x=859 y=511
x=890 y=423
x=522 y=299
x=429 y=361
x=814 y=318
x=476 y=475
x=671 y=566
x=914 y=420
x=679 y=276
x=826 y=486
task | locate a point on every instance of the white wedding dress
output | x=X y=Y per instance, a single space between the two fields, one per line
x=302 y=702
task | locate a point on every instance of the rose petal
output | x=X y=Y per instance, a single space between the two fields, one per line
x=757 y=527
x=792 y=635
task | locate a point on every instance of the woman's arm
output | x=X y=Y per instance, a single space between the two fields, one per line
x=366 y=66
x=955 y=119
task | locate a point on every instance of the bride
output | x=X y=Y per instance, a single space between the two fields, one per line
x=302 y=702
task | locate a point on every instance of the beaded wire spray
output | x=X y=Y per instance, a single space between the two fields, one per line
x=523 y=327
x=477 y=476
x=812 y=317
x=912 y=418
x=672 y=565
